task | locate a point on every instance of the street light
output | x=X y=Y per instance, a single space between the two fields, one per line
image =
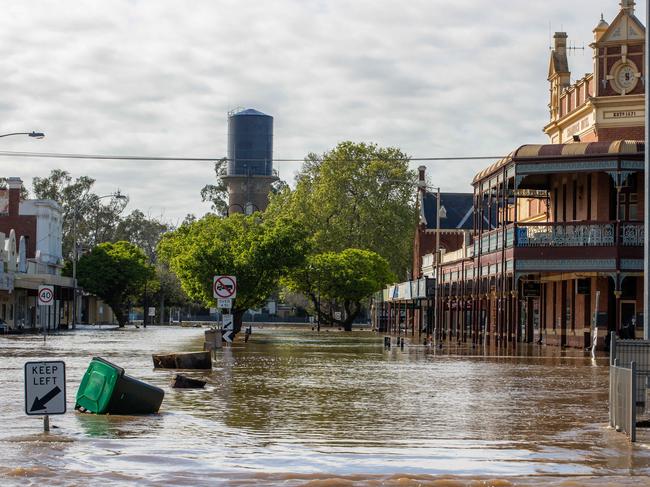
x=440 y=213
x=116 y=195
x=36 y=135
x=646 y=193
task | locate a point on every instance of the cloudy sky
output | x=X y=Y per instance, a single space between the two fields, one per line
x=157 y=77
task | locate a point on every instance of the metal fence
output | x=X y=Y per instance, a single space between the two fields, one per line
x=637 y=351
x=622 y=401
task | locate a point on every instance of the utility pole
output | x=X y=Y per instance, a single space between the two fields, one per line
x=74 y=268
x=435 y=293
x=646 y=188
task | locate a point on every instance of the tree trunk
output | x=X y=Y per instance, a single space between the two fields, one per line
x=238 y=317
x=162 y=309
x=119 y=314
x=350 y=314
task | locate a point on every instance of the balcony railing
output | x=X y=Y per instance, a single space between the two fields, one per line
x=631 y=234
x=603 y=234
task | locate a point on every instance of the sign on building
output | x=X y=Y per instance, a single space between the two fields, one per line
x=45 y=388
x=224 y=287
x=46 y=295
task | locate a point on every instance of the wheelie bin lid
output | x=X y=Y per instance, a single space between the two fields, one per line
x=97 y=385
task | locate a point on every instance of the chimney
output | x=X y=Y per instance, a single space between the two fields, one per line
x=628 y=5
x=14 y=184
x=560 y=43
x=421 y=179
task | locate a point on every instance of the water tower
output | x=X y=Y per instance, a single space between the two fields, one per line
x=250 y=161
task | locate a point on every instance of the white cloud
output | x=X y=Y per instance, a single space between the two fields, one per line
x=157 y=77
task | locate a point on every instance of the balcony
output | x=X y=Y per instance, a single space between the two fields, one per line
x=589 y=234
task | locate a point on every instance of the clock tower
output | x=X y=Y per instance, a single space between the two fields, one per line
x=607 y=104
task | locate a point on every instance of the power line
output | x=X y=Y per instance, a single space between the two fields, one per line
x=53 y=155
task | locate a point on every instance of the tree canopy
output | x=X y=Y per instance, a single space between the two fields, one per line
x=344 y=279
x=96 y=219
x=143 y=231
x=255 y=250
x=114 y=272
x=355 y=196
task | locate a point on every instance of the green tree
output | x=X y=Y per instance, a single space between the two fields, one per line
x=257 y=251
x=95 y=220
x=342 y=279
x=24 y=193
x=115 y=272
x=217 y=194
x=355 y=196
x=143 y=231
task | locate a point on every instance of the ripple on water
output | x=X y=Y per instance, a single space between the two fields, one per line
x=292 y=407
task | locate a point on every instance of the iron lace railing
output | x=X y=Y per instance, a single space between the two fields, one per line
x=575 y=234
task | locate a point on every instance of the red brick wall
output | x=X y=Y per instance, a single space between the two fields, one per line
x=22 y=225
x=14 y=202
x=621 y=133
x=425 y=243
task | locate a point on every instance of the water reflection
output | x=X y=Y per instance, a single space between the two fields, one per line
x=293 y=406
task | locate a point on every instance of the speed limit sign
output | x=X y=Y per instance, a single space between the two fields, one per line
x=46 y=295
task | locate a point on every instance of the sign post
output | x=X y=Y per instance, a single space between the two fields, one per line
x=228 y=327
x=45 y=390
x=45 y=298
x=224 y=290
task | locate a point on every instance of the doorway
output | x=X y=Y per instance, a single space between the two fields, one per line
x=628 y=319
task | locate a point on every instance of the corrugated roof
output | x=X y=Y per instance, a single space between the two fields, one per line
x=459 y=208
x=560 y=151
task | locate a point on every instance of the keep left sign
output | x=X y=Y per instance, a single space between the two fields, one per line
x=45 y=388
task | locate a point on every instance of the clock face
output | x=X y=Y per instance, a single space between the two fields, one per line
x=624 y=78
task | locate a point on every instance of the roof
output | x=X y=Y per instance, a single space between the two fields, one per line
x=559 y=151
x=250 y=111
x=458 y=206
x=559 y=63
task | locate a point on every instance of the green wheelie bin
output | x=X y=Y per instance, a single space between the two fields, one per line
x=106 y=389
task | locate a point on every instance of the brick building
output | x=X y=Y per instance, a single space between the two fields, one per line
x=30 y=250
x=556 y=251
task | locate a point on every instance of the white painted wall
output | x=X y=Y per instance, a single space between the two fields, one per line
x=49 y=231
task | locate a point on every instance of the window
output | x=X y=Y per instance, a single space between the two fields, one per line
x=632 y=213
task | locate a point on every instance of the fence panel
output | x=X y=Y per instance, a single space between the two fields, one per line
x=622 y=400
x=637 y=351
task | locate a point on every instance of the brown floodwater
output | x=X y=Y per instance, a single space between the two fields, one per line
x=293 y=407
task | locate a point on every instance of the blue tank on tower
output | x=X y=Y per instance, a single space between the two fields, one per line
x=250 y=144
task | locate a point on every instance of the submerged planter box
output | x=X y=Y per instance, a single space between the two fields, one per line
x=187 y=360
x=106 y=389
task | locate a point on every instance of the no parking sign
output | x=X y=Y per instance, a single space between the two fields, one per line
x=46 y=295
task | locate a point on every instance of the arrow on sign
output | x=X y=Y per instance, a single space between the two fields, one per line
x=41 y=403
x=228 y=336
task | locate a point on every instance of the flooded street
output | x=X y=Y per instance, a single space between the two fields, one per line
x=292 y=407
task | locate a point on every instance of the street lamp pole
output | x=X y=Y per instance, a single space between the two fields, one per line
x=646 y=188
x=435 y=292
x=36 y=135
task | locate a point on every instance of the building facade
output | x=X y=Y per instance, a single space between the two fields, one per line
x=555 y=255
x=30 y=254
